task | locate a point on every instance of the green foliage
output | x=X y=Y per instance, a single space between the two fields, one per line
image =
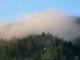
x=32 y=48
x=8 y=57
x=30 y=44
x=36 y=56
x=76 y=58
x=47 y=56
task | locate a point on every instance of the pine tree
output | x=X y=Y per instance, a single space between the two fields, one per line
x=30 y=44
x=8 y=57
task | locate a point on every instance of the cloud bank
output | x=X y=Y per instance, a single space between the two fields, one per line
x=55 y=22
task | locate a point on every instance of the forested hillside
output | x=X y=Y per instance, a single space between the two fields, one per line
x=38 y=47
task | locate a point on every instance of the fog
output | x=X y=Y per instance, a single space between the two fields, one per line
x=55 y=22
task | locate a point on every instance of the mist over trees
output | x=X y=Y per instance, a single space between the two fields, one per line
x=38 y=47
x=56 y=22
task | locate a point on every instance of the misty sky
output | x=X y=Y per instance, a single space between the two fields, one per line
x=10 y=9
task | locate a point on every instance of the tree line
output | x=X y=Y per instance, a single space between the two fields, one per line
x=38 y=47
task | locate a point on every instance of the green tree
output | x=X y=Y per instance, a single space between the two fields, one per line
x=15 y=58
x=63 y=58
x=8 y=57
x=43 y=34
x=76 y=58
x=36 y=56
x=56 y=54
x=47 y=55
x=51 y=44
x=56 y=41
x=30 y=44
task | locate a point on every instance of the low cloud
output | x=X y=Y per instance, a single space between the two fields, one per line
x=55 y=22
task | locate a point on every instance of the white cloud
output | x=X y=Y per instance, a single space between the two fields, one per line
x=55 y=22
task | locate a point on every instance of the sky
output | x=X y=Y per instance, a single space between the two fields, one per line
x=10 y=9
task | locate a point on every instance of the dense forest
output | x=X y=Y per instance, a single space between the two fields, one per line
x=38 y=47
